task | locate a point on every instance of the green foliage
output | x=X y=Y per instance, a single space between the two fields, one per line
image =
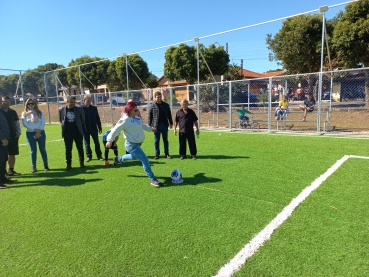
x=297 y=45
x=140 y=68
x=351 y=34
x=233 y=73
x=181 y=62
x=95 y=73
x=8 y=84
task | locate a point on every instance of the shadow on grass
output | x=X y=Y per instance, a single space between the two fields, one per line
x=197 y=179
x=56 y=177
x=208 y=157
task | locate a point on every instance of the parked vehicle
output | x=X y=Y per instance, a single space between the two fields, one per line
x=117 y=99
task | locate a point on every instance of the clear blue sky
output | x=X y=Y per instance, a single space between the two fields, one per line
x=36 y=32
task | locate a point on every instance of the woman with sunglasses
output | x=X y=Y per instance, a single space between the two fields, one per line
x=133 y=130
x=34 y=121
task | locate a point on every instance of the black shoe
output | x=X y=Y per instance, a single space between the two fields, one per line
x=34 y=170
x=156 y=157
x=100 y=159
x=2 y=186
x=88 y=159
x=115 y=160
x=46 y=168
x=13 y=173
x=82 y=165
x=168 y=157
x=69 y=167
x=183 y=157
x=193 y=157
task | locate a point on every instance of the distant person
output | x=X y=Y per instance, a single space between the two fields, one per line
x=160 y=118
x=133 y=127
x=93 y=128
x=34 y=121
x=186 y=119
x=72 y=119
x=114 y=146
x=15 y=132
x=4 y=140
x=308 y=106
x=242 y=116
x=282 y=110
x=299 y=94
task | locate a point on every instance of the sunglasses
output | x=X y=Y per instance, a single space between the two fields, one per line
x=30 y=104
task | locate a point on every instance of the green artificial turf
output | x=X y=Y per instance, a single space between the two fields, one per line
x=109 y=221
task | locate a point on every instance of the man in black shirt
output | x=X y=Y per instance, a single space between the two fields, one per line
x=72 y=119
x=15 y=131
x=4 y=140
x=93 y=128
x=186 y=118
x=160 y=117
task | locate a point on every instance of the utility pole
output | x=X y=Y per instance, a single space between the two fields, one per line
x=242 y=66
x=227 y=47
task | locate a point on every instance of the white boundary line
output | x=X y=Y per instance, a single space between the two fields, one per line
x=249 y=249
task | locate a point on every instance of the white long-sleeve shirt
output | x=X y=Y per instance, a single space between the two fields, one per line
x=132 y=128
x=31 y=121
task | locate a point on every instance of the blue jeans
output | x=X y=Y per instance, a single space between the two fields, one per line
x=137 y=153
x=161 y=129
x=32 y=142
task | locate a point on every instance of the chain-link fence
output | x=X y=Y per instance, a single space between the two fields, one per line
x=341 y=104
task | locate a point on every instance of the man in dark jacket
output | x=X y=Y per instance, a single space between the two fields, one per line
x=160 y=117
x=4 y=140
x=93 y=128
x=15 y=131
x=72 y=119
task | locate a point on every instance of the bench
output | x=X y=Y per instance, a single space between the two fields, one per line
x=281 y=124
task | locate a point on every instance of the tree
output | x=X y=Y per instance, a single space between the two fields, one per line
x=93 y=72
x=233 y=73
x=351 y=35
x=351 y=38
x=139 y=67
x=297 y=45
x=181 y=62
x=9 y=84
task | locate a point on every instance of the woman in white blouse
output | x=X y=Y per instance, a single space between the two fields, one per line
x=34 y=121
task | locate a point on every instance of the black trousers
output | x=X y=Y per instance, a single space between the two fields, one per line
x=95 y=136
x=183 y=139
x=68 y=142
x=3 y=159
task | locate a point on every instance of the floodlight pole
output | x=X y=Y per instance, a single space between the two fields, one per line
x=47 y=98
x=127 y=76
x=56 y=88
x=323 y=10
x=21 y=81
x=198 y=80
x=80 y=79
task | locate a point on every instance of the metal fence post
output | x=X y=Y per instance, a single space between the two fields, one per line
x=270 y=105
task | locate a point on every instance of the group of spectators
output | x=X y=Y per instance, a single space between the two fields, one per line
x=80 y=124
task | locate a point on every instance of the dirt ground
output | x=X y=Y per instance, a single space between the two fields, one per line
x=345 y=120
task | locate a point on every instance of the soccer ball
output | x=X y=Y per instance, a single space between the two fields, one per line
x=176 y=176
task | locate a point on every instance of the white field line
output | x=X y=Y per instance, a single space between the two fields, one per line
x=249 y=249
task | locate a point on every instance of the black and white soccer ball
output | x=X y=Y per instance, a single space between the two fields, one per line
x=176 y=176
